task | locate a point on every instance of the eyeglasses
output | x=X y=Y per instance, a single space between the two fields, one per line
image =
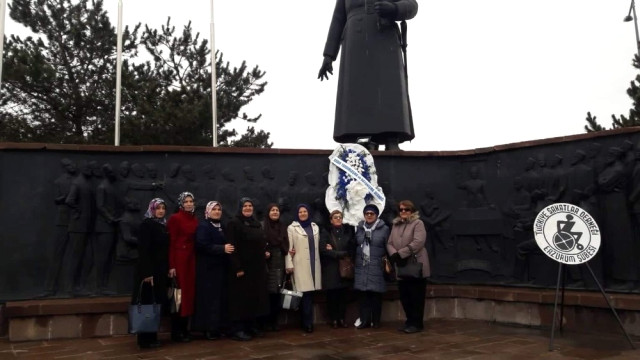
x=369 y=213
x=405 y=210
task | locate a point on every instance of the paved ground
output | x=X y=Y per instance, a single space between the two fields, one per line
x=442 y=339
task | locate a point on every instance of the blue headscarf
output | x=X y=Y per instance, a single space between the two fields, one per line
x=305 y=223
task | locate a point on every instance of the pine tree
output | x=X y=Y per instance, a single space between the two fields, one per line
x=634 y=113
x=59 y=85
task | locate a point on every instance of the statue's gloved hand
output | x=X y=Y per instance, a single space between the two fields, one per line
x=386 y=9
x=326 y=67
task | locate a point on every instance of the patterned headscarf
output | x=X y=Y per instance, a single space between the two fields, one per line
x=210 y=206
x=183 y=196
x=151 y=210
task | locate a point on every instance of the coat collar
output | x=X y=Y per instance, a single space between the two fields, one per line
x=297 y=227
x=415 y=216
x=381 y=223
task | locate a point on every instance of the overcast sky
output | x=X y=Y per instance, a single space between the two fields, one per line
x=481 y=73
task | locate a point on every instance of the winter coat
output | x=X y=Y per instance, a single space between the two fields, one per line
x=342 y=241
x=153 y=260
x=275 y=263
x=182 y=232
x=372 y=94
x=248 y=294
x=369 y=276
x=407 y=238
x=211 y=278
x=301 y=261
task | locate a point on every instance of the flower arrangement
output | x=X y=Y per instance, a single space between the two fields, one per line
x=353 y=182
x=357 y=161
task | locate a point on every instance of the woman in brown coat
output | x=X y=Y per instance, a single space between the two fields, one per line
x=407 y=239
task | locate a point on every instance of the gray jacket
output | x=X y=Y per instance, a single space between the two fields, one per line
x=369 y=275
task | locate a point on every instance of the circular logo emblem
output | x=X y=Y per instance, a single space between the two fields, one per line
x=567 y=234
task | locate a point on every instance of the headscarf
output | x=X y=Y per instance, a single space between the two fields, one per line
x=210 y=206
x=242 y=201
x=268 y=221
x=305 y=223
x=151 y=210
x=275 y=231
x=183 y=196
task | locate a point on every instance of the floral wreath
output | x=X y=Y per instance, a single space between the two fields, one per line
x=347 y=191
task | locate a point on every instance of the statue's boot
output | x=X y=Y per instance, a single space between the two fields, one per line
x=392 y=144
x=371 y=146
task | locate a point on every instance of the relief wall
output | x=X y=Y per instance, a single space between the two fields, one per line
x=69 y=216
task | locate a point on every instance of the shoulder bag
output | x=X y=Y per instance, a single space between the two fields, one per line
x=144 y=318
x=345 y=264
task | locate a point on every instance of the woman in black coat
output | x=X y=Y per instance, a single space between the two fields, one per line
x=248 y=295
x=277 y=247
x=212 y=252
x=153 y=264
x=336 y=243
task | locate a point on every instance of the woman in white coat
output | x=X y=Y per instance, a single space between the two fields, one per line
x=304 y=237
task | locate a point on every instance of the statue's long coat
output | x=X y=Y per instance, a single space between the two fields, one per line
x=372 y=90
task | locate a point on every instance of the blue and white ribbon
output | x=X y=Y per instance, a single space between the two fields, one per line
x=356 y=175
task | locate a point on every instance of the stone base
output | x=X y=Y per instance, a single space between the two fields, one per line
x=99 y=317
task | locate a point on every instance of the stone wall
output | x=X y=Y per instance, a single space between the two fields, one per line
x=477 y=204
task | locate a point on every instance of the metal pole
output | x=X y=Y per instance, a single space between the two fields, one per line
x=3 y=7
x=214 y=81
x=555 y=308
x=118 y=74
x=613 y=310
x=635 y=23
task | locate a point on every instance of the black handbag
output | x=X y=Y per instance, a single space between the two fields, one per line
x=411 y=269
x=174 y=294
x=144 y=318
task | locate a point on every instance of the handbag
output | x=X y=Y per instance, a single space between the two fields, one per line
x=411 y=269
x=144 y=318
x=345 y=265
x=388 y=270
x=346 y=268
x=290 y=299
x=175 y=296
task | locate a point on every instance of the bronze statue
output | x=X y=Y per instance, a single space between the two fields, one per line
x=81 y=201
x=373 y=100
x=109 y=208
x=618 y=246
x=61 y=239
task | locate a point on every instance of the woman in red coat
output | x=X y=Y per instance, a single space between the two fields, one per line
x=182 y=262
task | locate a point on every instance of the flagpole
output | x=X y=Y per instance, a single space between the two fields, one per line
x=214 y=90
x=3 y=7
x=118 y=74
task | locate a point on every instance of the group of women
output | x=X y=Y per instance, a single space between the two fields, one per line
x=230 y=275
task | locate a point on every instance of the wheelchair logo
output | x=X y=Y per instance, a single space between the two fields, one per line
x=567 y=234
